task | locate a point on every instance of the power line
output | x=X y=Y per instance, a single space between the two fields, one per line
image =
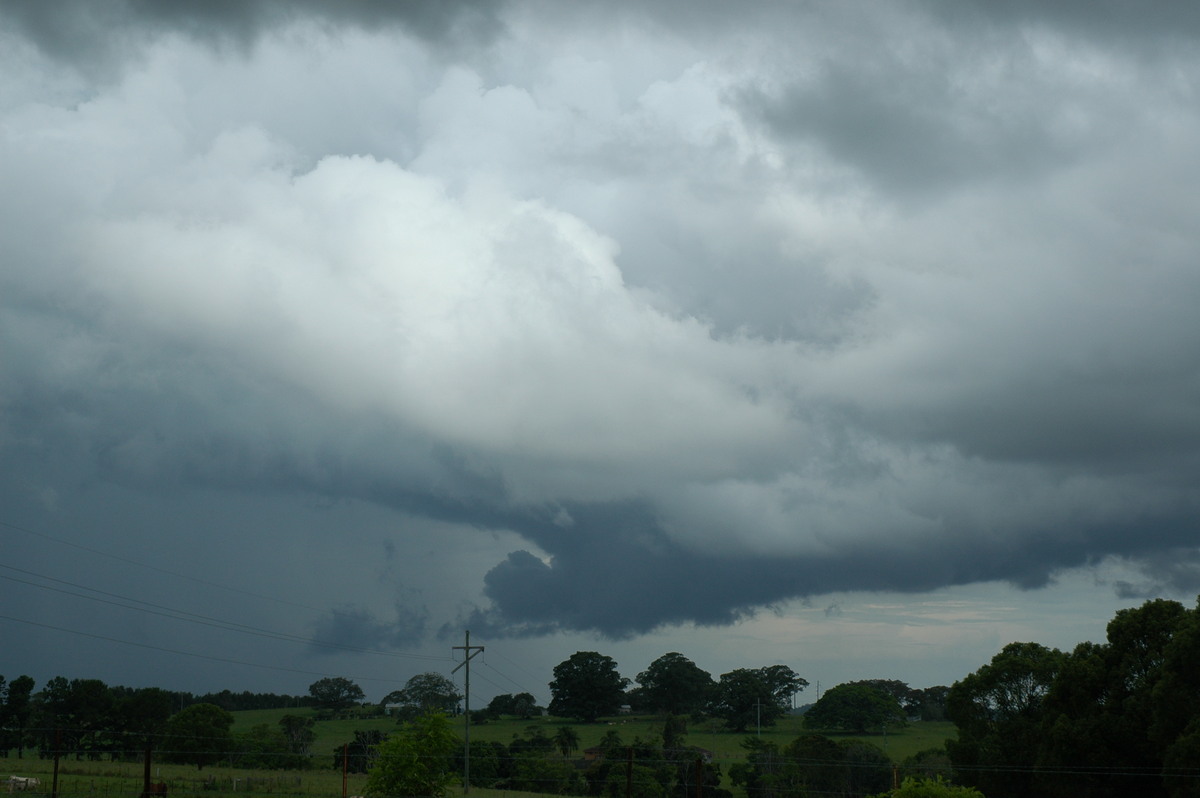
x=502 y=674
x=156 y=568
x=515 y=664
x=204 y=620
x=191 y=653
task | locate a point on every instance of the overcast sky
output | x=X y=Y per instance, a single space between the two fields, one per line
x=857 y=337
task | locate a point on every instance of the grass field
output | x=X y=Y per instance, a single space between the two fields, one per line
x=725 y=745
x=105 y=779
x=124 y=779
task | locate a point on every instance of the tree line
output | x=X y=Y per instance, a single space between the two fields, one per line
x=1104 y=720
x=1107 y=719
x=587 y=686
x=88 y=719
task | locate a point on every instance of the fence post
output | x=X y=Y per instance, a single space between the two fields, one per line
x=57 y=752
x=345 y=766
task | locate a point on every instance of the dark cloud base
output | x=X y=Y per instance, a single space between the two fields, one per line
x=617 y=573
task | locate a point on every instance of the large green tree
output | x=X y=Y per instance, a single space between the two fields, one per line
x=586 y=686
x=1027 y=719
x=754 y=696
x=1127 y=702
x=674 y=685
x=142 y=714
x=783 y=682
x=522 y=705
x=73 y=716
x=199 y=735
x=426 y=692
x=908 y=698
x=998 y=711
x=418 y=760
x=335 y=693
x=854 y=707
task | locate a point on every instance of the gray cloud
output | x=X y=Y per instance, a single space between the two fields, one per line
x=1110 y=21
x=1165 y=571
x=108 y=30
x=358 y=628
x=671 y=324
x=617 y=573
x=908 y=129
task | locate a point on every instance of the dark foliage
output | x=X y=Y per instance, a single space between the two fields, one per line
x=1103 y=721
x=586 y=686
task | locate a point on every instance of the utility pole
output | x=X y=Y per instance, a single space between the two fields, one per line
x=469 y=651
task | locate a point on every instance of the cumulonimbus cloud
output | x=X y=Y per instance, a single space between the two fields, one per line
x=699 y=362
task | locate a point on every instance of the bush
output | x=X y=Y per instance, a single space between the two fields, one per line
x=419 y=760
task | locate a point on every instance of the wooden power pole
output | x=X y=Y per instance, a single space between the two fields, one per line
x=470 y=651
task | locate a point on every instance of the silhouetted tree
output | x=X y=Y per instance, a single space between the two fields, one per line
x=587 y=686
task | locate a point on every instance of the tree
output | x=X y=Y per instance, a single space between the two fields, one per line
x=199 y=735
x=854 y=707
x=811 y=765
x=335 y=693
x=425 y=693
x=537 y=774
x=752 y=696
x=418 y=760
x=490 y=763
x=611 y=741
x=144 y=713
x=908 y=698
x=522 y=705
x=638 y=769
x=264 y=747
x=868 y=769
x=675 y=685
x=74 y=716
x=637 y=781
x=359 y=755
x=673 y=734
x=1179 y=763
x=783 y=683
x=930 y=788
x=998 y=711
x=566 y=740
x=586 y=686
x=18 y=710
x=930 y=703
x=1124 y=703
x=91 y=707
x=1130 y=703
x=299 y=733
x=534 y=741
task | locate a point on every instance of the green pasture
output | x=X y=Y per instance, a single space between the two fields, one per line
x=725 y=745
x=124 y=779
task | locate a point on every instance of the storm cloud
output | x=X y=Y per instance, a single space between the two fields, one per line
x=663 y=315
